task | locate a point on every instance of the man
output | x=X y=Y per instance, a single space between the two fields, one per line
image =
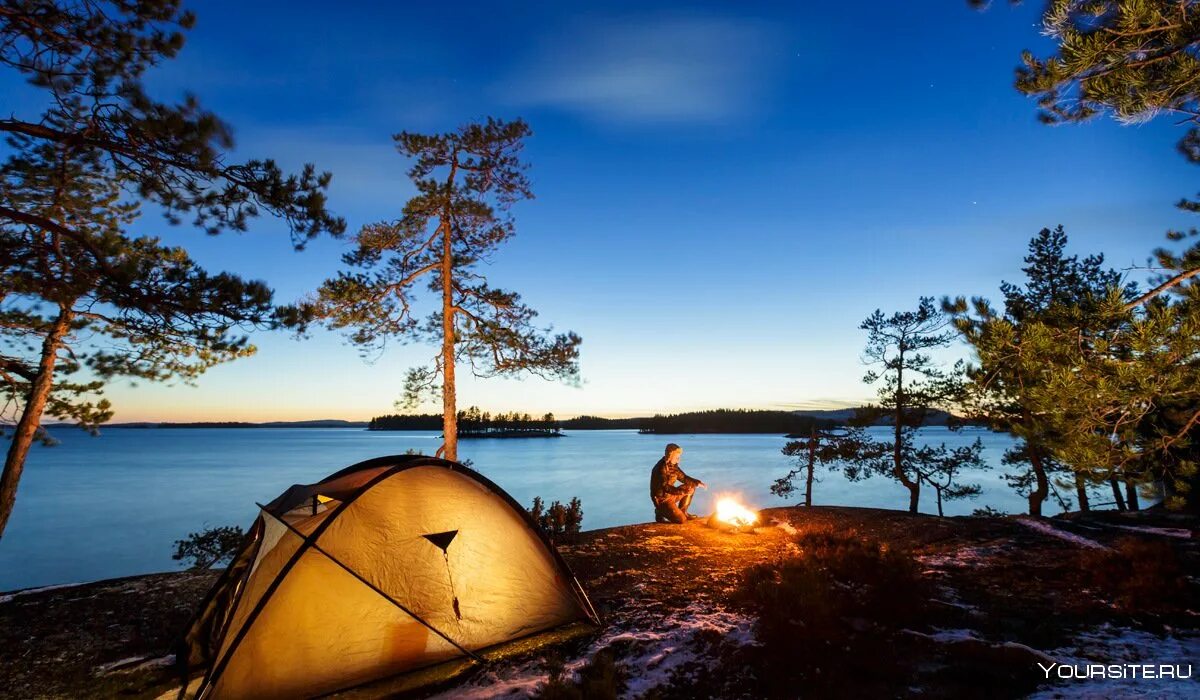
x=670 y=501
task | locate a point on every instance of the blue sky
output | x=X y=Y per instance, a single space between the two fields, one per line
x=723 y=192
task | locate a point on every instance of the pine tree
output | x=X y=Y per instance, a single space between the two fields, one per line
x=466 y=182
x=1134 y=60
x=81 y=301
x=911 y=383
x=1061 y=292
x=822 y=447
x=1124 y=404
x=940 y=467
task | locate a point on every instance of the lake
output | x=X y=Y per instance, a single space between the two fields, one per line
x=92 y=508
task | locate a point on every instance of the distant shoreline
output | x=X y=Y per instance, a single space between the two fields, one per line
x=720 y=421
x=225 y=424
x=510 y=434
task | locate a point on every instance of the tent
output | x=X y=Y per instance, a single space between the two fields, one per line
x=386 y=567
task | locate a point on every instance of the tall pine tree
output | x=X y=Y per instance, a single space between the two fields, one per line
x=1061 y=292
x=1133 y=60
x=466 y=182
x=911 y=382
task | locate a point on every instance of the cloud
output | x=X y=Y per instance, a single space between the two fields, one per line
x=675 y=69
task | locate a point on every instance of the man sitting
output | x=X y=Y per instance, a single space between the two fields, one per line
x=670 y=501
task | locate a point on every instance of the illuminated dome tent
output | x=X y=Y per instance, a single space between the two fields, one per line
x=386 y=567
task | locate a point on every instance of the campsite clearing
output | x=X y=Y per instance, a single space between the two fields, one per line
x=665 y=592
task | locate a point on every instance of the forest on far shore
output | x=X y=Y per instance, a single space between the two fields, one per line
x=722 y=420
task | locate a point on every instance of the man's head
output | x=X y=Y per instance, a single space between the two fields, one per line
x=672 y=452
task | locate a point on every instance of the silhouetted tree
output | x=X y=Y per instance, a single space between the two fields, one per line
x=207 y=548
x=732 y=421
x=940 y=467
x=821 y=447
x=560 y=523
x=78 y=295
x=466 y=182
x=911 y=383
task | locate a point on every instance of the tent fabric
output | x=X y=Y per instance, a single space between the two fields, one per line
x=414 y=561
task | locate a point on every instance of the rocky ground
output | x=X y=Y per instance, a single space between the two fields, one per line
x=999 y=596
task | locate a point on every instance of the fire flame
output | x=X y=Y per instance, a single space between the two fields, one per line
x=734 y=513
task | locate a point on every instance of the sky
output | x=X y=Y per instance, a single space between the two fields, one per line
x=723 y=190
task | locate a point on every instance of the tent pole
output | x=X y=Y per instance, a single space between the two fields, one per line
x=586 y=600
x=218 y=664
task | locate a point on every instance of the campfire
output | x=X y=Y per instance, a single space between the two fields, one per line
x=731 y=515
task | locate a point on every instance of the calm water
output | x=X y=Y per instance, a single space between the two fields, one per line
x=93 y=508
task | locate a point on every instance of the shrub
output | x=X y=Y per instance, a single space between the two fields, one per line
x=560 y=523
x=207 y=548
x=988 y=512
x=600 y=679
x=826 y=616
x=1138 y=575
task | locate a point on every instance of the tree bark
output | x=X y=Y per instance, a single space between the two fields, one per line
x=1116 y=489
x=1038 y=495
x=812 y=457
x=31 y=415
x=1081 y=493
x=449 y=396
x=1131 y=496
x=449 y=399
x=938 y=491
x=914 y=487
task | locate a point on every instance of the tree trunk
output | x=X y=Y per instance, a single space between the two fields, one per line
x=449 y=400
x=939 y=501
x=1081 y=493
x=1116 y=489
x=812 y=457
x=1038 y=495
x=914 y=487
x=1131 y=496
x=31 y=415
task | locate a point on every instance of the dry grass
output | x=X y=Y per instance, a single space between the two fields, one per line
x=827 y=615
x=600 y=679
x=1139 y=575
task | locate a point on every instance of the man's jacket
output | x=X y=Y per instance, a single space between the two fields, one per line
x=662 y=481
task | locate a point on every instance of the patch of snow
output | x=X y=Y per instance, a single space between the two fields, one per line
x=1028 y=649
x=1121 y=649
x=1047 y=529
x=1163 y=531
x=945 y=636
x=649 y=654
x=949 y=598
x=942 y=635
x=961 y=558
x=30 y=591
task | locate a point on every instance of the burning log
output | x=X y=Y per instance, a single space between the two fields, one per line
x=731 y=516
